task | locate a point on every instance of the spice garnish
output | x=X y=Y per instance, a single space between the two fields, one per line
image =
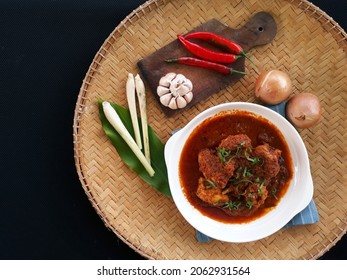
x=231 y=205
x=249 y=204
x=223 y=154
x=211 y=184
x=247 y=173
x=255 y=160
x=260 y=187
x=239 y=148
x=242 y=181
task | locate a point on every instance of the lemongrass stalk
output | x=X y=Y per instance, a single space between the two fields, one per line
x=130 y=91
x=141 y=95
x=112 y=116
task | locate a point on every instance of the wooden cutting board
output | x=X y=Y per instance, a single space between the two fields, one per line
x=259 y=30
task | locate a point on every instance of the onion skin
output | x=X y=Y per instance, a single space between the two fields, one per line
x=273 y=87
x=303 y=110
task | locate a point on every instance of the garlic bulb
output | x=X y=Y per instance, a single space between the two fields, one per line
x=175 y=91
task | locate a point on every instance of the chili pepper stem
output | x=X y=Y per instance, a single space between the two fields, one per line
x=171 y=60
x=237 y=72
x=242 y=53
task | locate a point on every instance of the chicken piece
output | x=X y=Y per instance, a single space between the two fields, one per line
x=210 y=194
x=235 y=191
x=232 y=142
x=270 y=157
x=255 y=195
x=214 y=169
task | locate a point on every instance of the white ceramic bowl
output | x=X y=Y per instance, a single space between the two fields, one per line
x=297 y=197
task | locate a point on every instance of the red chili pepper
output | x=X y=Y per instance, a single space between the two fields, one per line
x=207 y=54
x=218 y=40
x=192 y=61
x=231 y=46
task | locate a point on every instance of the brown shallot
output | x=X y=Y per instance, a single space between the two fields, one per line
x=303 y=110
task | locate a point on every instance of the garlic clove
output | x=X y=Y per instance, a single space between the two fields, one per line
x=180 y=78
x=189 y=84
x=166 y=80
x=161 y=90
x=188 y=97
x=181 y=102
x=173 y=104
x=185 y=89
x=165 y=99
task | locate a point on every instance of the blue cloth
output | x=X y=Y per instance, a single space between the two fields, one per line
x=307 y=216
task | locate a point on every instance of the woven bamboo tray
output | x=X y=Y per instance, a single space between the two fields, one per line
x=309 y=45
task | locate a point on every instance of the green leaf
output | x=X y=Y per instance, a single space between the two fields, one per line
x=160 y=179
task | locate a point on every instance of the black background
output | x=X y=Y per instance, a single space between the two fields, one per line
x=46 y=48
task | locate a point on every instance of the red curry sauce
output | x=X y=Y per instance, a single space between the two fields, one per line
x=208 y=134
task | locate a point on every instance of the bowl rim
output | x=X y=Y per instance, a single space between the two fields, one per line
x=265 y=225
